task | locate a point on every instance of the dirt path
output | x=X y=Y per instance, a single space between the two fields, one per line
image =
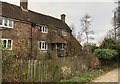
x=112 y=76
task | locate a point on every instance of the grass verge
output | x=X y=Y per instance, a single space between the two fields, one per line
x=89 y=75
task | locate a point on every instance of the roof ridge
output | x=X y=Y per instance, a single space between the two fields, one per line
x=30 y=10
x=16 y=12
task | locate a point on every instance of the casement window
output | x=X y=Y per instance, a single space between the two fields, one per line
x=7 y=44
x=44 y=29
x=5 y=22
x=1 y=21
x=43 y=45
x=60 y=46
x=64 y=33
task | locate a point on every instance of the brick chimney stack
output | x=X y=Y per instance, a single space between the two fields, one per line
x=63 y=17
x=24 y=4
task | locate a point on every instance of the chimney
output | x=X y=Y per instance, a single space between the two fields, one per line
x=24 y=4
x=63 y=17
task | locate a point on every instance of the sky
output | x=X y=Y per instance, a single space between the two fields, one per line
x=101 y=13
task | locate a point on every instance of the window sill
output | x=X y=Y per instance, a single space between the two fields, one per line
x=7 y=49
x=42 y=50
x=44 y=32
x=3 y=27
x=64 y=35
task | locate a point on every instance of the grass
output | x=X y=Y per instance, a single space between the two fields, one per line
x=89 y=75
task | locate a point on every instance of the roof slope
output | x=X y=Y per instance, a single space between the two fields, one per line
x=16 y=12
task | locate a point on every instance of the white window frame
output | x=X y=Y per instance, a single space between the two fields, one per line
x=40 y=46
x=7 y=44
x=43 y=29
x=62 y=47
x=64 y=33
x=8 y=22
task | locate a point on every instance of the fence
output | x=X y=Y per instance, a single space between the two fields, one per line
x=49 y=70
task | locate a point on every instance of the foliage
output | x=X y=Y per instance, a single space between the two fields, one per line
x=9 y=70
x=92 y=46
x=89 y=75
x=84 y=77
x=109 y=43
x=106 y=53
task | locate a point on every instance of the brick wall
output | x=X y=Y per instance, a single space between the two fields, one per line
x=21 y=34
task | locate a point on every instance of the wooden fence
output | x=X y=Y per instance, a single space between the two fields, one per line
x=49 y=70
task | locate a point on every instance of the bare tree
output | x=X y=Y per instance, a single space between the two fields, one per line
x=86 y=31
x=73 y=31
x=111 y=33
x=79 y=37
x=117 y=21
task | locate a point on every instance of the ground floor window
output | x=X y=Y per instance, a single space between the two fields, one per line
x=7 y=44
x=58 y=46
x=43 y=45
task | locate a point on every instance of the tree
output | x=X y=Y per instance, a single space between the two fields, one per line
x=79 y=37
x=111 y=34
x=86 y=23
x=117 y=20
x=106 y=54
x=109 y=43
x=73 y=31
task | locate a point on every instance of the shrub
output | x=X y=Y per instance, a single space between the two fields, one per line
x=106 y=53
x=9 y=67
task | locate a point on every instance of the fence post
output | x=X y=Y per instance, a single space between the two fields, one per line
x=32 y=70
x=28 y=75
x=39 y=71
x=21 y=61
x=35 y=62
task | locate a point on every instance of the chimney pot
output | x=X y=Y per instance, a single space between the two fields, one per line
x=24 y=4
x=63 y=17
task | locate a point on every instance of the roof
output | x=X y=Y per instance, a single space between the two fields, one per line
x=55 y=38
x=16 y=12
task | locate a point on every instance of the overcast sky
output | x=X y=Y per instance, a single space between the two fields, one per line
x=100 y=11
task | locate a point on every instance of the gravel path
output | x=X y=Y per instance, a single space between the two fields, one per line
x=112 y=76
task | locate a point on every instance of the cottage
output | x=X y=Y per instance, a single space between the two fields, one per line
x=33 y=35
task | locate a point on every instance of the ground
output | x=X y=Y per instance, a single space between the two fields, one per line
x=112 y=76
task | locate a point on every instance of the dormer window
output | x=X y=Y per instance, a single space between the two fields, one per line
x=44 y=29
x=5 y=22
x=64 y=33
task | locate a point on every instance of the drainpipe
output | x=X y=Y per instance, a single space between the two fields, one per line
x=0 y=57
x=32 y=26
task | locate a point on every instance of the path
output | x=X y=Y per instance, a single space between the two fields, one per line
x=112 y=76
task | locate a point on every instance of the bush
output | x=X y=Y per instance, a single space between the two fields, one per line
x=9 y=67
x=106 y=54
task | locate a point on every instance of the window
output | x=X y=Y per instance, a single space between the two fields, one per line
x=43 y=45
x=64 y=33
x=60 y=46
x=1 y=20
x=4 y=22
x=7 y=44
x=44 y=29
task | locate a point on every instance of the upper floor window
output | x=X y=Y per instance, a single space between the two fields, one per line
x=43 y=45
x=5 y=22
x=7 y=44
x=64 y=33
x=44 y=29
